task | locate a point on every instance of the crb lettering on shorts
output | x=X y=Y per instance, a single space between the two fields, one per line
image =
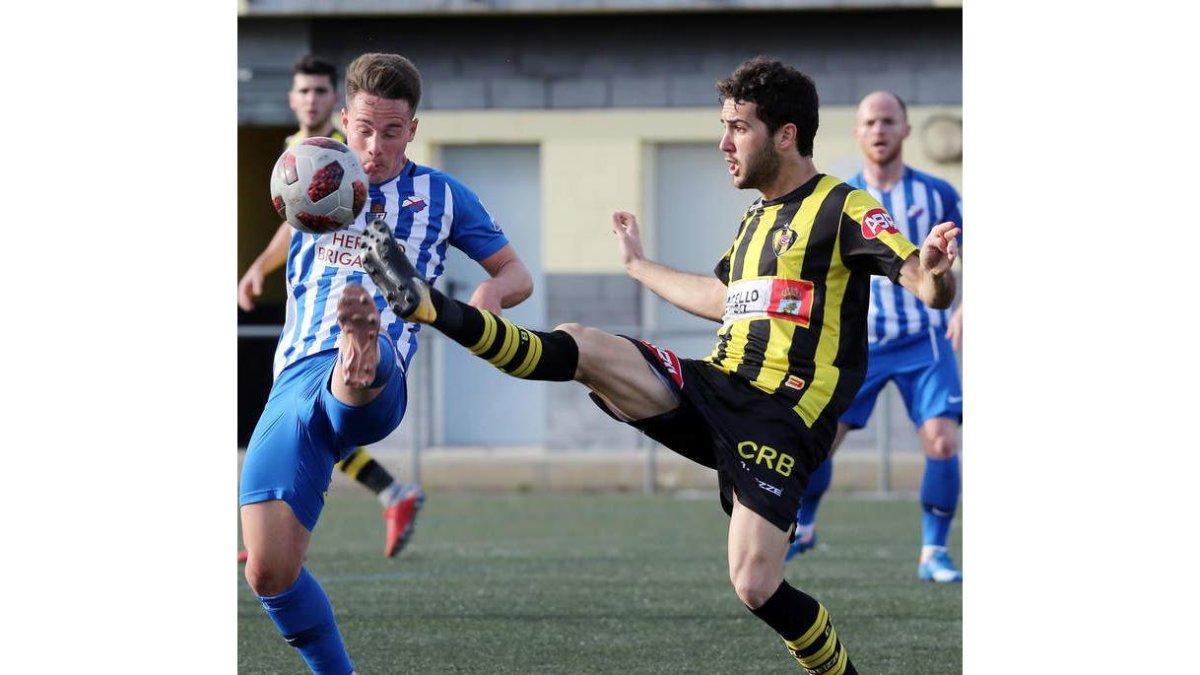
x=779 y=462
x=876 y=222
x=787 y=299
x=340 y=249
x=670 y=363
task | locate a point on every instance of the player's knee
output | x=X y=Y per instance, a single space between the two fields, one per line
x=269 y=579
x=575 y=330
x=942 y=446
x=752 y=588
x=582 y=335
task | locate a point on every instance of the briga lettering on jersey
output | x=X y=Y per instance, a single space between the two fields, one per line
x=344 y=251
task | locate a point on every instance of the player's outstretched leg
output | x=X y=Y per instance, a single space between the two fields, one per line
x=518 y=351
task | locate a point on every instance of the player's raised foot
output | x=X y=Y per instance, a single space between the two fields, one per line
x=405 y=290
x=401 y=519
x=800 y=545
x=939 y=568
x=358 y=318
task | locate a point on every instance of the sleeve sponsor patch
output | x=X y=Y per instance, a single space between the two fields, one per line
x=877 y=221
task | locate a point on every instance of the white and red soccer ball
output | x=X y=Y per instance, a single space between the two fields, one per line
x=318 y=186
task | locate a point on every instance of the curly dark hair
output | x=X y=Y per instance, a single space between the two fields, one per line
x=782 y=93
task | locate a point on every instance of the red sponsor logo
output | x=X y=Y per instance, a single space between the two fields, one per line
x=877 y=221
x=791 y=300
x=794 y=382
x=670 y=363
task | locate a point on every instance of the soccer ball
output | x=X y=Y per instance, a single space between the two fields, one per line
x=318 y=186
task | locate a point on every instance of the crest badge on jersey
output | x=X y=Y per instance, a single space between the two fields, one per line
x=376 y=213
x=783 y=240
x=876 y=222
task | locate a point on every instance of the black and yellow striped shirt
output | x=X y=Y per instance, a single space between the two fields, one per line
x=799 y=286
x=295 y=138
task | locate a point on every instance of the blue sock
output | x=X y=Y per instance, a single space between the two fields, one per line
x=818 y=483
x=940 y=488
x=387 y=362
x=304 y=617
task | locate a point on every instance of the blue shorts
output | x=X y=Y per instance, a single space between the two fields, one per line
x=304 y=431
x=925 y=371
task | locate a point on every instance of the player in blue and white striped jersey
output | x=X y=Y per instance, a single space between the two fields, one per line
x=908 y=342
x=343 y=356
x=314 y=98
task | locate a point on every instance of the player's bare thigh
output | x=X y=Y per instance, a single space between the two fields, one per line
x=615 y=369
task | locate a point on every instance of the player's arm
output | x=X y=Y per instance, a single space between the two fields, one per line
x=927 y=273
x=696 y=294
x=510 y=283
x=272 y=258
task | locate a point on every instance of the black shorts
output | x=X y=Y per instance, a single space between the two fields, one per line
x=759 y=446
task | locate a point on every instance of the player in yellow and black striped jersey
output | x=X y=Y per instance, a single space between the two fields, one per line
x=313 y=98
x=791 y=295
x=798 y=275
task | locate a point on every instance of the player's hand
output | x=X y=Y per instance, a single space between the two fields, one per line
x=625 y=226
x=940 y=248
x=487 y=296
x=250 y=287
x=954 y=330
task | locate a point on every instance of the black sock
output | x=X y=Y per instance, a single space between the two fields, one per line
x=807 y=631
x=362 y=467
x=520 y=352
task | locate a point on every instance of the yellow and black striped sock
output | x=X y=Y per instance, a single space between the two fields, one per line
x=518 y=351
x=362 y=467
x=804 y=625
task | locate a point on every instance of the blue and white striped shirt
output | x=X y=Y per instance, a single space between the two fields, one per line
x=917 y=202
x=427 y=210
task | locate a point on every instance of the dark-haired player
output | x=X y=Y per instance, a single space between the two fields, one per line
x=791 y=294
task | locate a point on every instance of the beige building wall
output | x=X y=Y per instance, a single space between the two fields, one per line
x=595 y=162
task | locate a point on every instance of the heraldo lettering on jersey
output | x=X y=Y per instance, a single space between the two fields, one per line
x=779 y=462
x=343 y=250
